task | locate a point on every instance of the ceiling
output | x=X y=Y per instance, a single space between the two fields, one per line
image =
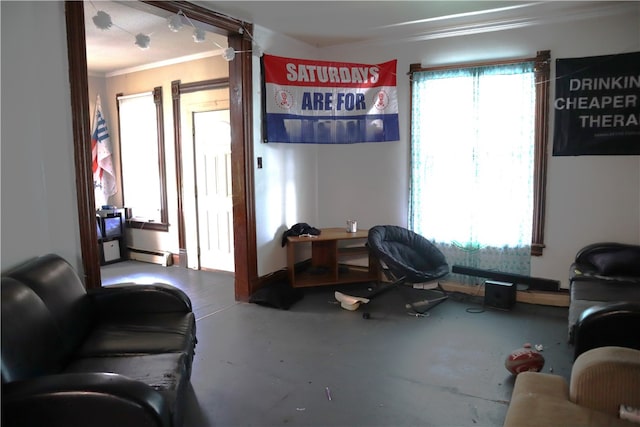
x=317 y=23
x=327 y=23
x=114 y=50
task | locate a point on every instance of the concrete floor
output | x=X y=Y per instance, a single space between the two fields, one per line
x=317 y=364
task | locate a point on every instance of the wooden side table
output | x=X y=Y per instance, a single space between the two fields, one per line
x=329 y=251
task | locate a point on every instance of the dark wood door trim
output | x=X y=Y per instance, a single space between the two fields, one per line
x=240 y=83
x=79 y=82
x=244 y=221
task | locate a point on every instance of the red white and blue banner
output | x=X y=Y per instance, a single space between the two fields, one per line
x=597 y=105
x=324 y=102
x=104 y=177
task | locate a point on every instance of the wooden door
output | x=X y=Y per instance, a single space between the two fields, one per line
x=212 y=142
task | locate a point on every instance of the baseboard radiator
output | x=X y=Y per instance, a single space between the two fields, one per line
x=163 y=258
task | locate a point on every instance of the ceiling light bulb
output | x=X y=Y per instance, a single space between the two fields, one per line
x=102 y=20
x=175 y=23
x=228 y=54
x=142 y=41
x=198 y=35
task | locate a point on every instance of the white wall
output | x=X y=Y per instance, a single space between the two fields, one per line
x=39 y=208
x=589 y=198
x=286 y=189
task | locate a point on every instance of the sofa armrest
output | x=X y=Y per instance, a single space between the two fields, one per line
x=605 y=378
x=96 y=399
x=543 y=400
x=610 y=259
x=548 y=385
x=612 y=324
x=133 y=298
x=582 y=271
x=540 y=399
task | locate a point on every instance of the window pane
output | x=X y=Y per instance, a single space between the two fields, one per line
x=473 y=153
x=139 y=156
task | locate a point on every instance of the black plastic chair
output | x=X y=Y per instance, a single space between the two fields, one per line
x=408 y=258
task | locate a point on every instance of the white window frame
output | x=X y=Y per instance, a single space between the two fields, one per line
x=142 y=159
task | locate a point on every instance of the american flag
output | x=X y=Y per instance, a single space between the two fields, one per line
x=104 y=178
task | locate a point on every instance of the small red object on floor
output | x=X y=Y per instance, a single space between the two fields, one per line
x=524 y=359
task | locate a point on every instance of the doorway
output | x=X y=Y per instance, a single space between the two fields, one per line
x=212 y=141
x=208 y=194
x=241 y=120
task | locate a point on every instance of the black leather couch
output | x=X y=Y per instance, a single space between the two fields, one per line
x=115 y=356
x=605 y=296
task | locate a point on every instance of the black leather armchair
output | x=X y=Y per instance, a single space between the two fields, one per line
x=115 y=356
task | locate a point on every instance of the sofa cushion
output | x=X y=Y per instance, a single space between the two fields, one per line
x=605 y=290
x=141 y=334
x=163 y=372
x=621 y=262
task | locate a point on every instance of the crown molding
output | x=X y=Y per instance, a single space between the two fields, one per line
x=164 y=63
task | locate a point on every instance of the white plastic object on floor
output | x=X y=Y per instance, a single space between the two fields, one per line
x=349 y=302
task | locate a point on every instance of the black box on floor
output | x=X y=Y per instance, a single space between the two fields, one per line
x=500 y=295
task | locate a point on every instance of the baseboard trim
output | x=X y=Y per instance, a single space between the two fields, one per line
x=556 y=299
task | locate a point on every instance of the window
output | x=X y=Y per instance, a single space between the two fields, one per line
x=142 y=159
x=478 y=151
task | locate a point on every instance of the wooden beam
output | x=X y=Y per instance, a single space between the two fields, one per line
x=556 y=299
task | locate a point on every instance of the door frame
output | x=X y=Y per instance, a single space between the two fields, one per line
x=241 y=112
x=177 y=90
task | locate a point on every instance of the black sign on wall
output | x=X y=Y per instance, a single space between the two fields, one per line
x=597 y=105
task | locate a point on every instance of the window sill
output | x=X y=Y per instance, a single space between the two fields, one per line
x=536 y=249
